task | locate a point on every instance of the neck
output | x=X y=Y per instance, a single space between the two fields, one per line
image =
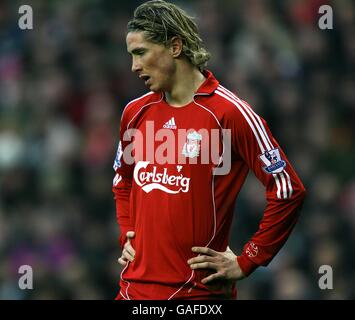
x=186 y=81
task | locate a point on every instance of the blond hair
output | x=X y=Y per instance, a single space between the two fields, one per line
x=160 y=21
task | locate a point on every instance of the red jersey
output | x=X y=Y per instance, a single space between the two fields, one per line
x=174 y=206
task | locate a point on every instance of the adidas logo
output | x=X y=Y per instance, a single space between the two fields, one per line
x=170 y=124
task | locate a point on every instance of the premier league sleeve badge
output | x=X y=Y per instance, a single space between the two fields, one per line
x=273 y=162
x=117 y=162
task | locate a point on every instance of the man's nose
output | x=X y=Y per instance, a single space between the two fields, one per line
x=136 y=66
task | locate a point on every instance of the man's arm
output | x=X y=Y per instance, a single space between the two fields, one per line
x=284 y=191
x=253 y=144
x=121 y=187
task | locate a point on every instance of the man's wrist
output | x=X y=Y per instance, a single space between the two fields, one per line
x=246 y=265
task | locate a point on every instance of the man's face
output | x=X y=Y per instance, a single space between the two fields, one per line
x=154 y=63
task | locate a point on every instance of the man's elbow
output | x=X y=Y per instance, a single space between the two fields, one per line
x=300 y=194
x=303 y=192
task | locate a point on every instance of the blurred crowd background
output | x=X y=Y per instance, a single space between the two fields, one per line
x=63 y=86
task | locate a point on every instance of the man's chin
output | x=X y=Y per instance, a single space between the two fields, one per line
x=154 y=89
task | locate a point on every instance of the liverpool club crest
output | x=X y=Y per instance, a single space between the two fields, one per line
x=192 y=147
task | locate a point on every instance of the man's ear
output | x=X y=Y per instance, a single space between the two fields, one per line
x=176 y=46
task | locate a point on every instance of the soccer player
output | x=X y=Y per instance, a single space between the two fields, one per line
x=175 y=215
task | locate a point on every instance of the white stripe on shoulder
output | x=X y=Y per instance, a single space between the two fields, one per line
x=255 y=118
x=258 y=129
x=259 y=120
x=255 y=114
x=223 y=95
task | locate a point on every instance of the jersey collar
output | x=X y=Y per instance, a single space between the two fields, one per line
x=209 y=85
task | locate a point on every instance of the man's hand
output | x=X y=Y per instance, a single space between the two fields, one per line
x=128 y=252
x=225 y=264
